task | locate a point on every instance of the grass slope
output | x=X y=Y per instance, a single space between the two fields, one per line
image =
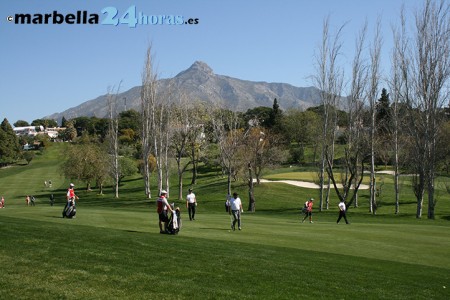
x=113 y=250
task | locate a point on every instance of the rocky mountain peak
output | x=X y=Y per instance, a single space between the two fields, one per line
x=201 y=67
x=198 y=67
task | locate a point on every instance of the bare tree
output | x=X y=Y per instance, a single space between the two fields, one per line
x=372 y=96
x=166 y=149
x=196 y=138
x=229 y=136
x=181 y=126
x=187 y=138
x=355 y=102
x=347 y=176
x=433 y=43
x=162 y=137
x=148 y=106
x=425 y=71
x=351 y=172
x=102 y=172
x=250 y=155
x=328 y=80
x=260 y=149
x=397 y=89
x=114 y=137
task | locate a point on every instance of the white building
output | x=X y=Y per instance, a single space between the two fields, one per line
x=53 y=132
x=28 y=130
x=31 y=131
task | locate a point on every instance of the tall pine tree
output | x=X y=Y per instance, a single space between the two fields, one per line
x=276 y=117
x=383 y=114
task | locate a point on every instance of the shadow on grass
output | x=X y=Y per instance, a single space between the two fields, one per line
x=131 y=179
x=119 y=203
x=383 y=203
x=279 y=210
x=211 y=228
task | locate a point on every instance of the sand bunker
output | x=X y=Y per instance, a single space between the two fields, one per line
x=305 y=184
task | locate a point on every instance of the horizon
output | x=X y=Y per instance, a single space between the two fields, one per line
x=53 y=67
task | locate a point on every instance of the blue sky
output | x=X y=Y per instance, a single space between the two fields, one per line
x=50 y=68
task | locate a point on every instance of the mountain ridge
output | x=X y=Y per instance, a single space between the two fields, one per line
x=199 y=82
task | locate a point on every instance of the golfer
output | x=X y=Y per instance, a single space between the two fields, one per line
x=308 y=210
x=162 y=208
x=235 y=210
x=191 y=203
x=342 y=212
x=70 y=196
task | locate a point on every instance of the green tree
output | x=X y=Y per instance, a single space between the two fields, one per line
x=383 y=114
x=63 y=122
x=383 y=128
x=444 y=149
x=130 y=119
x=43 y=139
x=127 y=136
x=83 y=124
x=21 y=123
x=342 y=116
x=129 y=126
x=258 y=116
x=46 y=123
x=99 y=128
x=127 y=167
x=276 y=117
x=303 y=128
x=28 y=156
x=85 y=162
x=9 y=146
x=70 y=133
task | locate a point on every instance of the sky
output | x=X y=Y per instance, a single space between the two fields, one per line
x=48 y=68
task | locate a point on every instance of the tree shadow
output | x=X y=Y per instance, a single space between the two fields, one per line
x=217 y=229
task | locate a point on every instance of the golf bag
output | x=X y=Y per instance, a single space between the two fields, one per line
x=70 y=210
x=305 y=208
x=174 y=225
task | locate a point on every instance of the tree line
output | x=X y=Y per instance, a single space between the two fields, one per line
x=240 y=145
x=413 y=131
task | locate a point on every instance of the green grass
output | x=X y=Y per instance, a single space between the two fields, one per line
x=113 y=249
x=302 y=176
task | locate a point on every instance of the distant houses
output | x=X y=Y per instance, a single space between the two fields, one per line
x=53 y=132
x=28 y=130
x=36 y=130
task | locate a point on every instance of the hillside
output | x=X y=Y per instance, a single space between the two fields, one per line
x=199 y=82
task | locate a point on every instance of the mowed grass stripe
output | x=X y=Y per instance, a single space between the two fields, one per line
x=48 y=261
x=391 y=242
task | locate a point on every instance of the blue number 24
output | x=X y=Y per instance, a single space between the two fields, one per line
x=129 y=17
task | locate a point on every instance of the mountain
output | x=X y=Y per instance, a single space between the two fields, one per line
x=199 y=82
